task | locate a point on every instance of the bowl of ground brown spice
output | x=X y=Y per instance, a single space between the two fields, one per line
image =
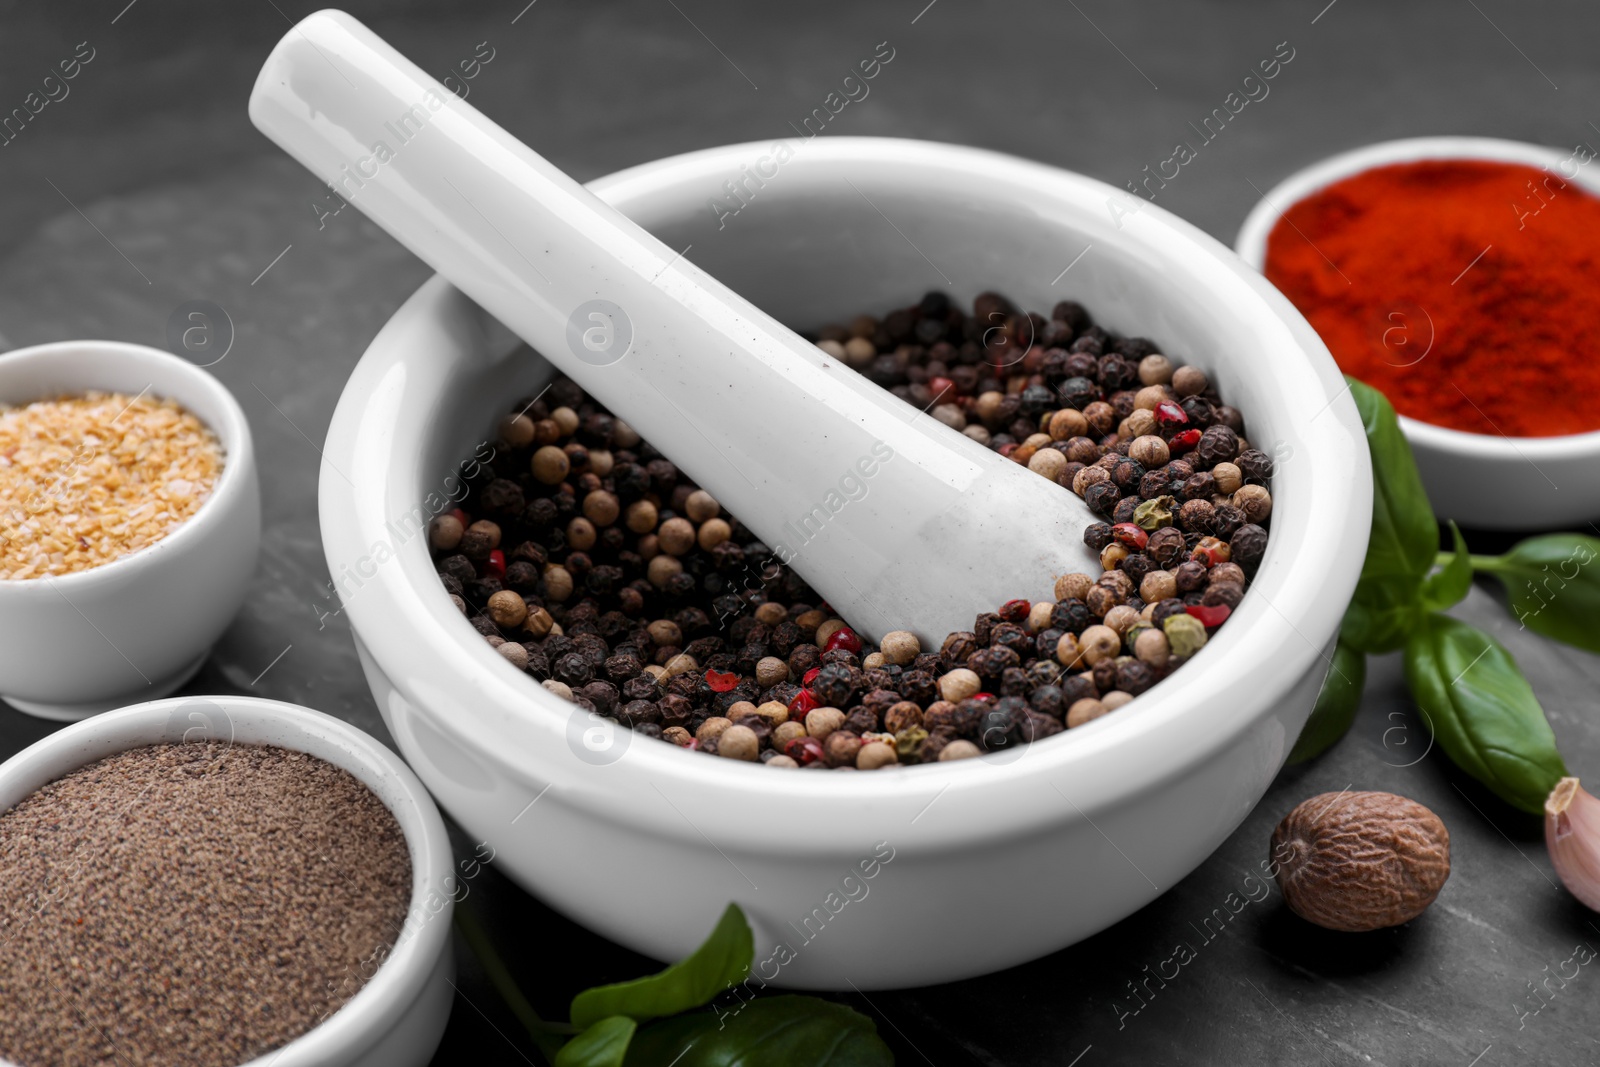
x=130 y=522
x=217 y=881
x=1461 y=277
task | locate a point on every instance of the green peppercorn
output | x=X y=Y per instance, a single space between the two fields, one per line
x=1186 y=634
x=1154 y=514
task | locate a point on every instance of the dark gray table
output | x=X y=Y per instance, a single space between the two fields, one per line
x=146 y=187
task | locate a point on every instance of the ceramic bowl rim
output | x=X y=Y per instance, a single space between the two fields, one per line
x=1251 y=243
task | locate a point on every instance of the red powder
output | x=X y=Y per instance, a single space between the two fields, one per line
x=1468 y=292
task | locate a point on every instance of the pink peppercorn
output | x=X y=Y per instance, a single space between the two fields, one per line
x=1209 y=615
x=1014 y=610
x=1183 y=442
x=804 y=750
x=495 y=566
x=844 y=638
x=1130 y=535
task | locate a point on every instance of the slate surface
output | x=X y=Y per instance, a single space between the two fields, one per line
x=146 y=187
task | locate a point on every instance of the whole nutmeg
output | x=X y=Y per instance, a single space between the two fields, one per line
x=1360 y=861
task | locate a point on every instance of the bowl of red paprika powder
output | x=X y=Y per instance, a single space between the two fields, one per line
x=1460 y=276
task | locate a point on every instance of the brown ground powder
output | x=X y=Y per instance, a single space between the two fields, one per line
x=191 y=904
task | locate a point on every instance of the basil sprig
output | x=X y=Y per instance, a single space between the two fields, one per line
x=1475 y=699
x=1553 y=585
x=1404 y=539
x=1482 y=711
x=653 y=1020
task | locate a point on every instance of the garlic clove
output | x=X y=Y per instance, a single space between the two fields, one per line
x=1572 y=833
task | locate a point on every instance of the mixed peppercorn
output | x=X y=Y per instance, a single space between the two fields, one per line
x=589 y=561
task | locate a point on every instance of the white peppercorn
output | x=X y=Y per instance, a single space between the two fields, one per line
x=738 y=742
x=874 y=755
x=444 y=533
x=1155 y=369
x=820 y=722
x=1084 y=710
x=959 y=684
x=900 y=647
x=770 y=671
x=959 y=749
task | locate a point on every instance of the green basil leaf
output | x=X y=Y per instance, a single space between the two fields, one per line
x=1449 y=586
x=1404 y=539
x=787 y=1031
x=1482 y=710
x=721 y=961
x=1336 y=704
x=1552 y=587
x=604 y=1044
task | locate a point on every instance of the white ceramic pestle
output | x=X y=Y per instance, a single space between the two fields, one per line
x=899 y=521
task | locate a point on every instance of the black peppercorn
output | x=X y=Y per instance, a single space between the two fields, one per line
x=1201 y=412
x=1134 y=677
x=623 y=666
x=991 y=662
x=1036 y=400
x=1137 y=565
x=574 y=669
x=983 y=626
x=1044 y=644
x=1127 y=475
x=639 y=687
x=1155 y=483
x=1223 y=593
x=1218 y=444
x=1255 y=465
x=1076 y=687
x=957 y=647
x=841 y=657
x=461 y=569
x=1115 y=373
x=1047 y=700
x=1197 y=516
x=1010 y=635
x=1127 y=510
x=1014 y=682
x=919 y=686
x=802 y=658
x=1165 y=546
x=1071 y=615
x=1078 y=392
x=1102 y=497
x=1105 y=675
x=1247 y=545
x=1073 y=314
x=1190 y=575
x=1097 y=535
x=603 y=695
x=1227 y=521
x=1202 y=486
x=832 y=686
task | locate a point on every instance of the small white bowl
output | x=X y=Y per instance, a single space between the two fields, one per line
x=139 y=626
x=1539 y=482
x=399 y=1016
x=1087 y=826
